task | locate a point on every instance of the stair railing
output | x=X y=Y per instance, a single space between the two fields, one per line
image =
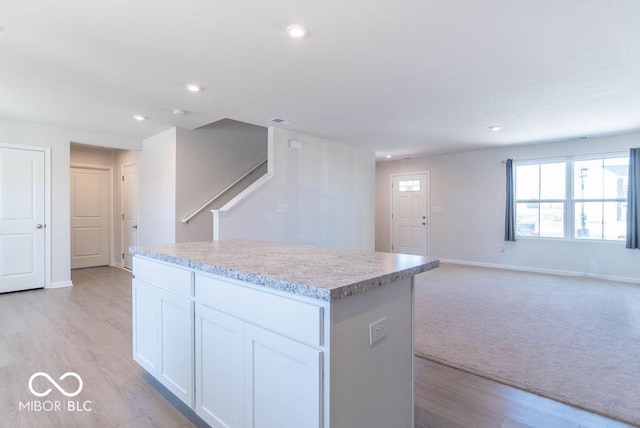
x=222 y=192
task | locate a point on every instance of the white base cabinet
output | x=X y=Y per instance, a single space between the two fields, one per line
x=283 y=381
x=145 y=325
x=175 y=345
x=163 y=326
x=219 y=368
x=245 y=356
x=250 y=377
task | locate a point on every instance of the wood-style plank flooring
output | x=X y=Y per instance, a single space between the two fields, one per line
x=87 y=329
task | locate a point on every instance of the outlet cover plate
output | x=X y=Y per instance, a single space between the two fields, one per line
x=377 y=331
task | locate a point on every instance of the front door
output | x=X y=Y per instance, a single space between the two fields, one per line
x=90 y=200
x=22 y=219
x=129 y=212
x=409 y=214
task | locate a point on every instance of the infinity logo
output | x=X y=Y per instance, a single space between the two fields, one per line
x=54 y=383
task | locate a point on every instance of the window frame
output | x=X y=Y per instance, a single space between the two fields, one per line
x=575 y=201
x=569 y=201
x=564 y=201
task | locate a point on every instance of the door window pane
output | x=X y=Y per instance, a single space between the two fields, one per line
x=409 y=186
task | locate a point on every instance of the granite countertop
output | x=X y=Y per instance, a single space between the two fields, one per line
x=318 y=272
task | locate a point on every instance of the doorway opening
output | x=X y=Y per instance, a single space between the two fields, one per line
x=91 y=207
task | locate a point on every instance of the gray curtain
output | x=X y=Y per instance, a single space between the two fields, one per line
x=509 y=217
x=633 y=201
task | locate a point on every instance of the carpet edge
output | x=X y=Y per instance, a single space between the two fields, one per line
x=522 y=387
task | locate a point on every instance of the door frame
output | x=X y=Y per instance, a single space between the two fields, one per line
x=427 y=202
x=47 y=203
x=121 y=213
x=110 y=220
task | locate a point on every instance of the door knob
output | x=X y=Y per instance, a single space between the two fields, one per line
x=40 y=226
x=424 y=223
x=135 y=226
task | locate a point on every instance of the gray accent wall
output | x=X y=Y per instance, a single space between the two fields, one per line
x=181 y=169
x=208 y=159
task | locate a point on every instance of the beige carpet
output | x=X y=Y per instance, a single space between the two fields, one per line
x=574 y=340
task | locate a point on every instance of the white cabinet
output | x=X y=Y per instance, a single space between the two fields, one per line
x=248 y=356
x=145 y=325
x=219 y=368
x=163 y=325
x=283 y=381
x=175 y=344
x=250 y=376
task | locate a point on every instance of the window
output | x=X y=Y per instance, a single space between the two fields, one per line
x=579 y=198
x=409 y=186
x=600 y=198
x=541 y=200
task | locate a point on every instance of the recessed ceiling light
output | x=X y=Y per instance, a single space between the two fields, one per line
x=495 y=128
x=296 y=31
x=178 y=112
x=139 y=117
x=388 y=156
x=193 y=87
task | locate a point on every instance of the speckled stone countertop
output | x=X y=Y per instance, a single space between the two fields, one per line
x=317 y=272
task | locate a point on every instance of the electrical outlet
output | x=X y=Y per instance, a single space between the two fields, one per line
x=501 y=250
x=377 y=331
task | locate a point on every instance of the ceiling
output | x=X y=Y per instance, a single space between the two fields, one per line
x=401 y=78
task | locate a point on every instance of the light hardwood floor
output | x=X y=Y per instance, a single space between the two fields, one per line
x=87 y=329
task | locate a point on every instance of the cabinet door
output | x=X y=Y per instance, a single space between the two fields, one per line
x=219 y=368
x=283 y=381
x=145 y=325
x=175 y=339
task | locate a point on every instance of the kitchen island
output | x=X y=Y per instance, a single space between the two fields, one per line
x=263 y=334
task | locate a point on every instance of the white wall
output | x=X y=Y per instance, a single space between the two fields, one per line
x=208 y=159
x=157 y=189
x=470 y=189
x=327 y=187
x=59 y=139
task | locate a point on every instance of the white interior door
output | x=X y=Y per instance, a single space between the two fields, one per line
x=129 y=212
x=22 y=215
x=409 y=214
x=90 y=231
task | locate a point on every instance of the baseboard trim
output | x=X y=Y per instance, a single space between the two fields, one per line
x=547 y=271
x=61 y=284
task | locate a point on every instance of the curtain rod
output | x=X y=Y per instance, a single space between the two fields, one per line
x=567 y=156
